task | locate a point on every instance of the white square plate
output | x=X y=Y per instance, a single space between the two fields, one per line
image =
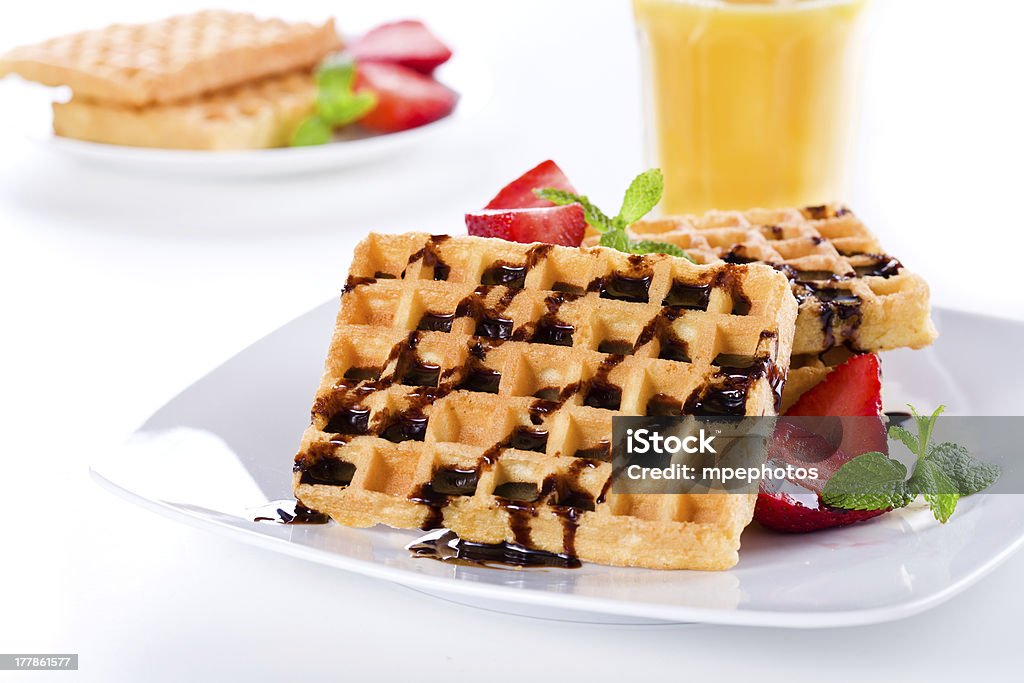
x=225 y=446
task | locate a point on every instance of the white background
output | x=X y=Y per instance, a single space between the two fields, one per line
x=116 y=291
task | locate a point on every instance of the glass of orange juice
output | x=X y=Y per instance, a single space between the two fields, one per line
x=751 y=102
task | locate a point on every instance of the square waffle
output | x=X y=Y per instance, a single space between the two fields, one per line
x=250 y=116
x=173 y=59
x=471 y=384
x=850 y=292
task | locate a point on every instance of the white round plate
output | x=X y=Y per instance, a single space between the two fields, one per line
x=468 y=79
x=224 y=446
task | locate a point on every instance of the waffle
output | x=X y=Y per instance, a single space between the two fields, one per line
x=850 y=292
x=471 y=384
x=174 y=59
x=250 y=116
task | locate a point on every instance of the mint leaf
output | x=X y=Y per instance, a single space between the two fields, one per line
x=942 y=474
x=649 y=247
x=615 y=239
x=338 y=108
x=967 y=474
x=925 y=425
x=643 y=195
x=594 y=216
x=871 y=481
x=336 y=73
x=559 y=197
x=336 y=103
x=908 y=439
x=312 y=131
x=938 y=490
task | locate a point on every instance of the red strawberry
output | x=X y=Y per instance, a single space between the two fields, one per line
x=782 y=512
x=519 y=193
x=405 y=98
x=406 y=43
x=853 y=389
x=562 y=225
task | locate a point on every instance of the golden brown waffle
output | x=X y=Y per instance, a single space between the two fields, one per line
x=174 y=59
x=850 y=292
x=251 y=116
x=471 y=384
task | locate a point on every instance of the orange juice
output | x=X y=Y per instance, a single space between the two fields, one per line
x=751 y=102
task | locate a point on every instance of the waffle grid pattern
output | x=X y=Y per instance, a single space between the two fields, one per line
x=452 y=401
x=850 y=291
x=256 y=115
x=173 y=59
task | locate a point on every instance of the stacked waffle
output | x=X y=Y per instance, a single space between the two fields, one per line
x=853 y=297
x=209 y=80
x=471 y=384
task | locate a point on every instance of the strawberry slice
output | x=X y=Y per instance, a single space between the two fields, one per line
x=853 y=389
x=519 y=193
x=405 y=98
x=407 y=43
x=562 y=225
x=783 y=512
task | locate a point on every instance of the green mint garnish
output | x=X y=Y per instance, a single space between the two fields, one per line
x=871 y=481
x=649 y=247
x=312 y=131
x=641 y=197
x=337 y=104
x=942 y=474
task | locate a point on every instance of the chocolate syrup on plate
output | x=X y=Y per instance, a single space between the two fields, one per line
x=446 y=546
x=287 y=512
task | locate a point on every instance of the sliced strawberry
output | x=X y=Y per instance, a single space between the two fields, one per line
x=405 y=98
x=782 y=512
x=852 y=391
x=407 y=43
x=853 y=388
x=562 y=225
x=519 y=193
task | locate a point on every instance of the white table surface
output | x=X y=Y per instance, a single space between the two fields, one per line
x=117 y=291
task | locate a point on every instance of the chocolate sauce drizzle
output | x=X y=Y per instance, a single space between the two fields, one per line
x=727 y=397
x=431 y=258
x=446 y=546
x=287 y=512
x=447 y=482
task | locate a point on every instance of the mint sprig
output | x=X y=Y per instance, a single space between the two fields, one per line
x=942 y=474
x=642 y=195
x=337 y=103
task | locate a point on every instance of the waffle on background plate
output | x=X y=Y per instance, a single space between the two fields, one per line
x=183 y=81
x=256 y=115
x=471 y=383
